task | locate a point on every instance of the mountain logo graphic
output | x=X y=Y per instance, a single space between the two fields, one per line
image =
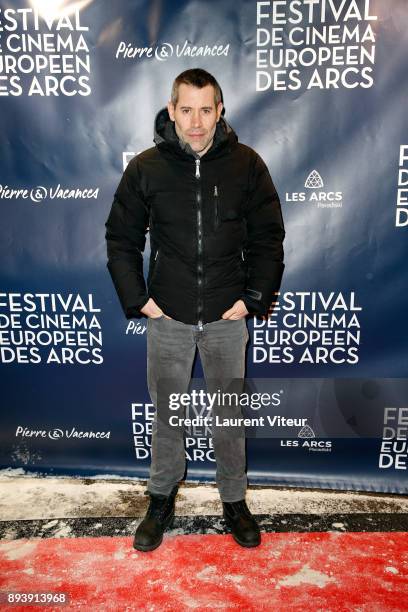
x=306 y=432
x=314 y=180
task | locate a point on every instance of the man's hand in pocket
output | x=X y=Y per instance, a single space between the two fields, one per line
x=152 y=310
x=237 y=311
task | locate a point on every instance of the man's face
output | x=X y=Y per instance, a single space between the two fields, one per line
x=195 y=116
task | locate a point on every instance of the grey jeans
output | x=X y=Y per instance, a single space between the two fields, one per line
x=171 y=348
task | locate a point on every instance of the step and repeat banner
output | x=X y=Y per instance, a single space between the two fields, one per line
x=319 y=89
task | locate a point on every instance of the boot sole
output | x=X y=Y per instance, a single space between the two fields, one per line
x=146 y=547
x=237 y=540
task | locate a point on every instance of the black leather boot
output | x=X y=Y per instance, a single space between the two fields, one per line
x=243 y=526
x=159 y=516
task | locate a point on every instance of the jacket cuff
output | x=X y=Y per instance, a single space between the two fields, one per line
x=252 y=301
x=134 y=311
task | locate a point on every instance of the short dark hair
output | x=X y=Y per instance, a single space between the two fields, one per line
x=198 y=78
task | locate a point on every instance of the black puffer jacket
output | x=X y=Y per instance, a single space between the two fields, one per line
x=215 y=222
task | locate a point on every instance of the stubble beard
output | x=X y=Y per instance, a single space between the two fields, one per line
x=203 y=147
x=199 y=151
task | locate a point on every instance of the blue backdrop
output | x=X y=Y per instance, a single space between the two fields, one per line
x=319 y=91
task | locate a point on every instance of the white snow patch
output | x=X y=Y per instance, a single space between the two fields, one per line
x=50 y=524
x=119 y=554
x=63 y=530
x=234 y=577
x=174 y=532
x=306 y=575
x=11 y=472
x=17 y=549
x=10 y=534
x=33 y=496
x=207 y=573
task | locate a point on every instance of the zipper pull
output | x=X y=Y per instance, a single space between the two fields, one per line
x=197 y=163
x=215 y=191
x=155 y=257
x=200 y=326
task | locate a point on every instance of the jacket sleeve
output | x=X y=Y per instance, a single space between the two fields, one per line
x=126 y=230
x=264 y=245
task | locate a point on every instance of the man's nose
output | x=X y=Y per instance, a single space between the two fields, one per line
x=196 y=119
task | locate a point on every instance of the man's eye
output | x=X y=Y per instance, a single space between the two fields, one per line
x=207 y=111
x=185 y=111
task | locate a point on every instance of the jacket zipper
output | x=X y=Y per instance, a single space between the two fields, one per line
x=199 y=249
x=216 y=206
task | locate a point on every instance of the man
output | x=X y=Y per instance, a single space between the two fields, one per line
x=216 y=234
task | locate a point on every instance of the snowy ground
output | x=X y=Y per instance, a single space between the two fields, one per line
x=38 y=506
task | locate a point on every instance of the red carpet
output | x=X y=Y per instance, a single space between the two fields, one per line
x=289 y=571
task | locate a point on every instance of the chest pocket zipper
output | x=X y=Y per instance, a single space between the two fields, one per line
x=156 y=261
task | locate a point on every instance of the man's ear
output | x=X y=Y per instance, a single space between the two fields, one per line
x=170 y=108
x=219 y=110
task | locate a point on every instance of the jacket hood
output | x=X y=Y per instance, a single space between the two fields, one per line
x=165 y=137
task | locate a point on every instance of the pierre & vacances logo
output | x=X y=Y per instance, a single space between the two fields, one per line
x=39 y=193
x=56 y=433
x=165 y=50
